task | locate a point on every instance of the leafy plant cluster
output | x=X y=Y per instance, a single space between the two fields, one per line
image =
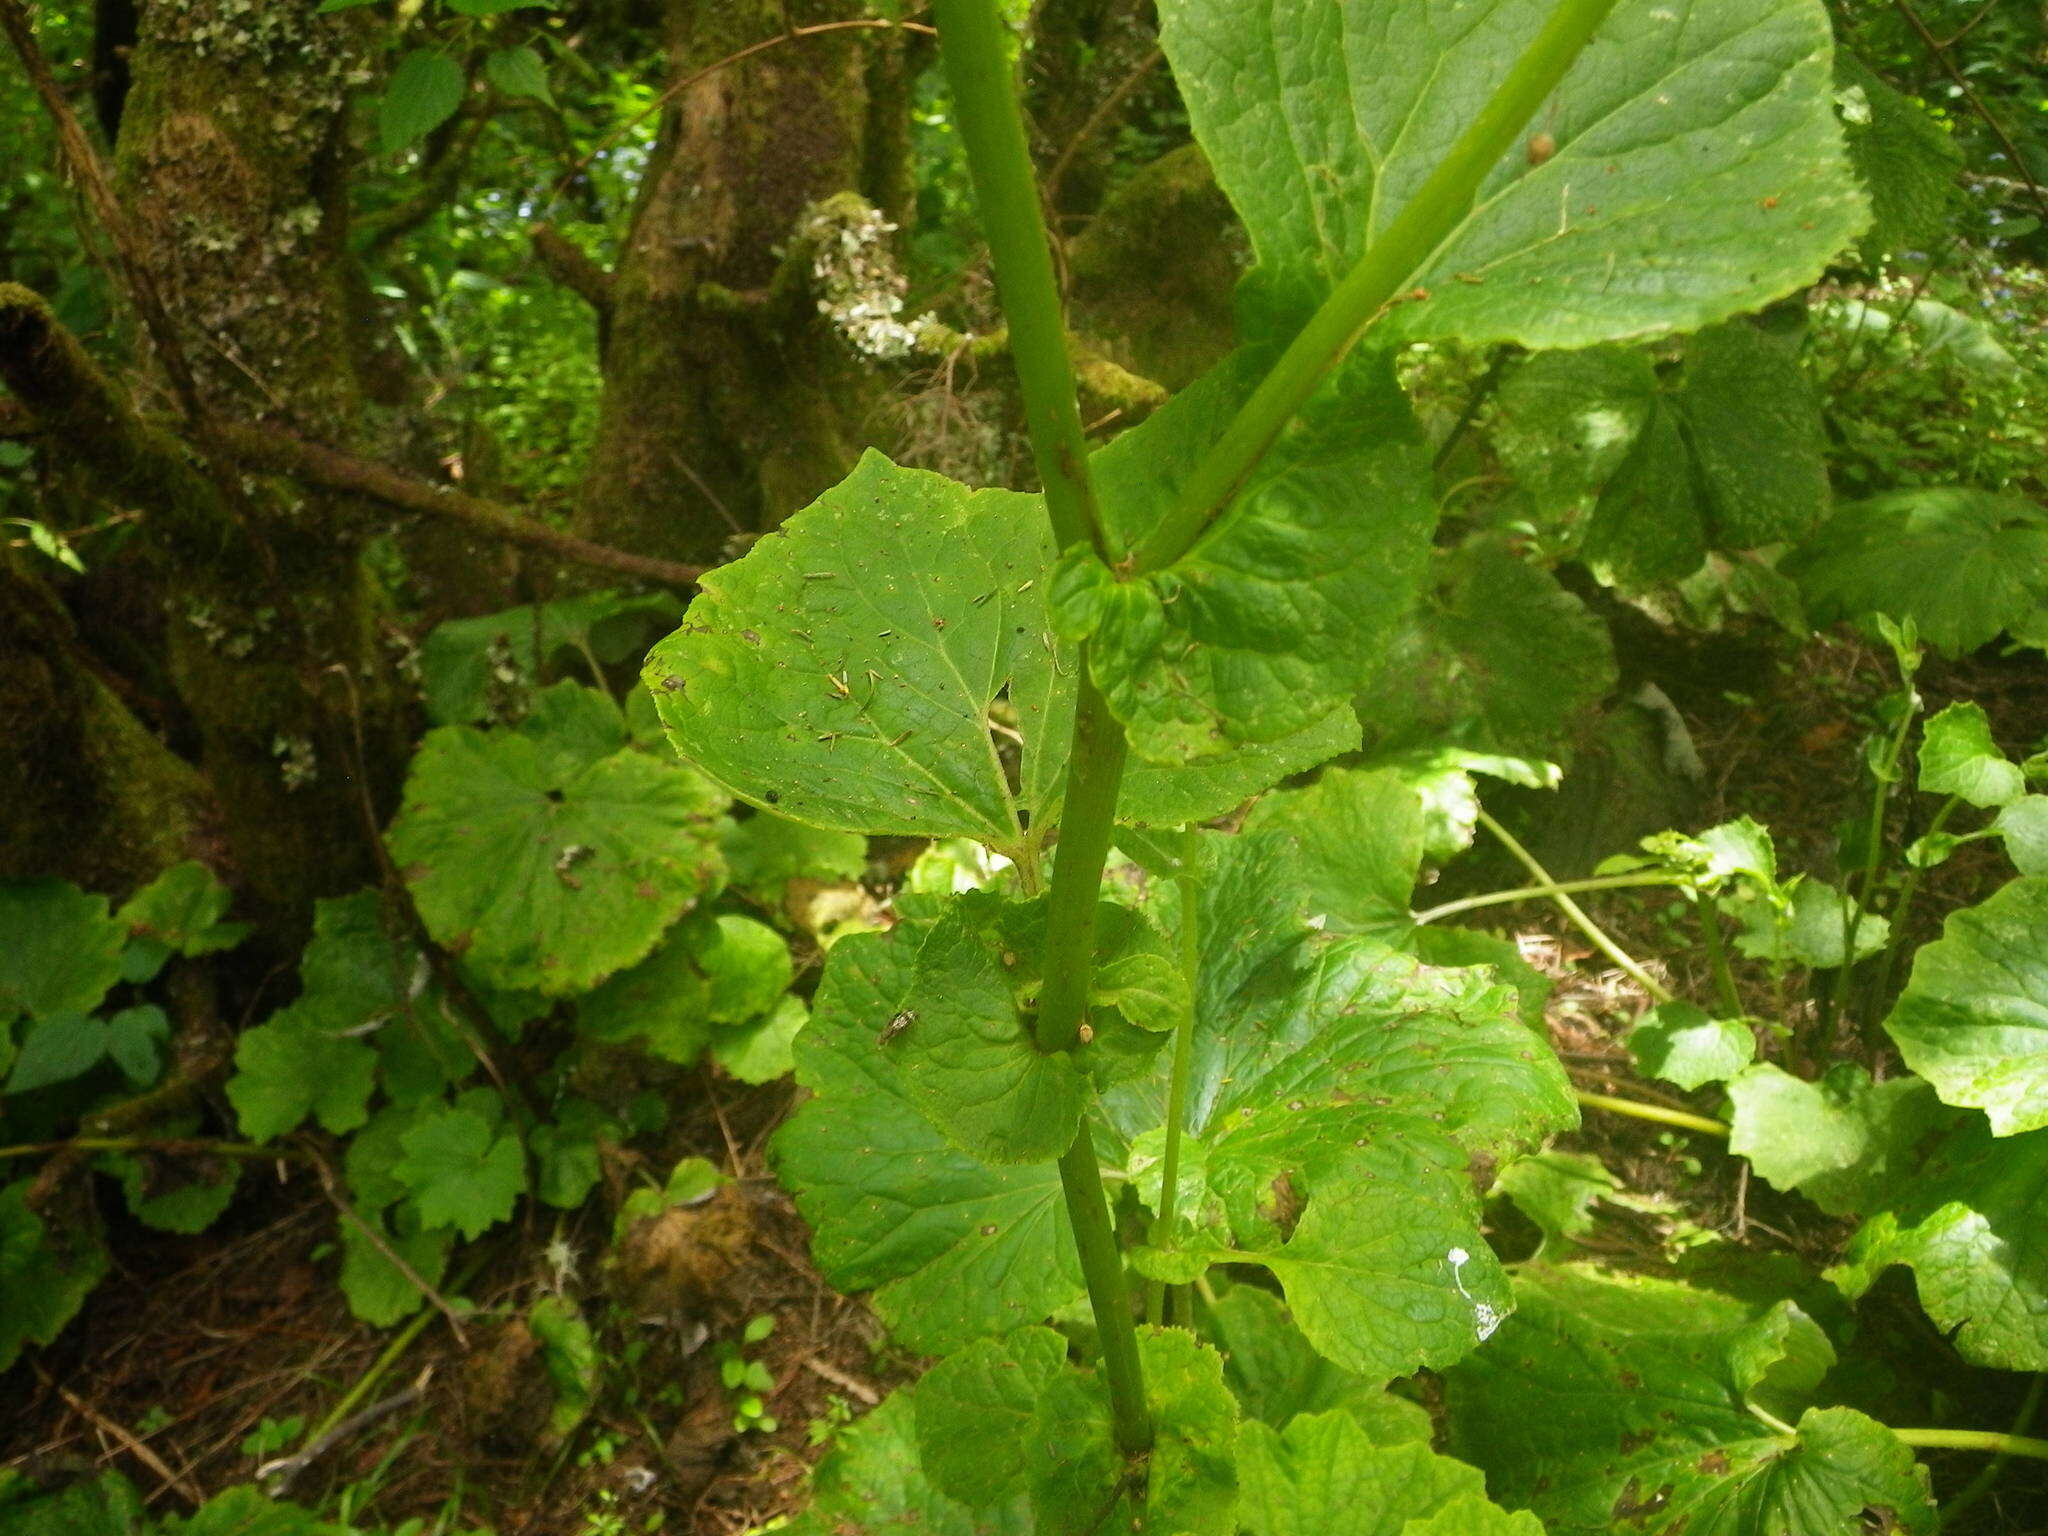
x=1160 y=1026
x=581 y=900
x=1242 y=1077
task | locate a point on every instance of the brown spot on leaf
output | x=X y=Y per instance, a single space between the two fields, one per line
x=1714 y=1464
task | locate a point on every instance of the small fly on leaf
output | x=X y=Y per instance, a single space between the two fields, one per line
x=895 y=1027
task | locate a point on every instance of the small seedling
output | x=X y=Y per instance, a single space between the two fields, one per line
x=748 y=1379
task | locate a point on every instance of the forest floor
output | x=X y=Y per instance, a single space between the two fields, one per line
x=197 y=1345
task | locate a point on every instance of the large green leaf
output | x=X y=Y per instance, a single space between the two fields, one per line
x=1322 y=119
x=954 y=1249
x=967 y=1059
x=1339 y=1072
x=1845 y=1142
x=1958 y=757
x=1324 y=1476
x=1621 y=1403
x=1973 y=1226
x=1962 y=564
x=985 y=1395
x=1281 y=612
x=1753 y=427
x=909 y=656
x=1973 y=1019
x=1371 y=1031
x=288 y=1068
x=1386 y=1271
x=1359 y=838
x=1499 y=658
x=1276 y=1376
x=59 y=950
x=544 y=864
x=1077 y=1476
x=849 y=671
x=871 y=1484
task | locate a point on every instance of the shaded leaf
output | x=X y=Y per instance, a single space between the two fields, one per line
x=1845 y=1142
x=1962 y=564
x=1611 y=1401
x=462 y=1171
x=423 y=93
x=1973 y=1019
x=59 y=950
x=287 y=1069
x=183 y=908
x=1970 y=1227
x=45 y=1275
x=1324 y=1476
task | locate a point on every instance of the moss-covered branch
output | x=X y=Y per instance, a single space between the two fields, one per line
x=315 y=464
x=92 y=422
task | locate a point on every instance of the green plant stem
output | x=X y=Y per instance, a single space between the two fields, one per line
x=1427 y=220
x=1995 y=1440
x=1979 y=1487
x=972 y=41
x=1571 y=909
x=1717 y=954
x=972 y=38
x=1183 y=1064
x=1909 y=888
x=170 y=1146
x=1654 y=1112
x=1873 y=855
x=1543 y=892
x=1109 y=1296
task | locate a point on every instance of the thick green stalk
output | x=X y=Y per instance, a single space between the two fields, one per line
x=1389 y=263
x=971 y=43
x=1095 y=772
x=971 y=40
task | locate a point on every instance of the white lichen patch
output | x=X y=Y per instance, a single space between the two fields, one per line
x=859 y=287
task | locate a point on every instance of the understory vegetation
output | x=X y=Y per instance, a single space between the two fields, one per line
x=1123 y=765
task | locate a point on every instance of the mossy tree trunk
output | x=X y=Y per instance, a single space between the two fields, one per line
x=726 y=406
x=231 y=167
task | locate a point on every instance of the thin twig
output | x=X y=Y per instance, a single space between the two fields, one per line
x=129 y=1442
x=1093 y=125
x=383 y=1245
x=1969 y=93
x=90 y=173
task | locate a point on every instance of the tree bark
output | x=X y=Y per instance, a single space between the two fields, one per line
x=722 y=411
x=230 y=164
